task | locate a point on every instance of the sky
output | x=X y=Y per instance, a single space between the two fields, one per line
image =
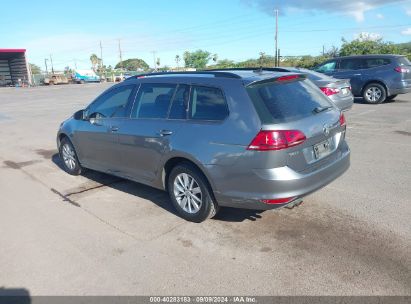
x=70 y=31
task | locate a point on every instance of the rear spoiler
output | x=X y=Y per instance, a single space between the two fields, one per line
x=284 y=78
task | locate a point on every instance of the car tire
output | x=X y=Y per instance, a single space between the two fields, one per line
x=374 y=93
x=191 y=194
x=69 y=158
x=392 y=97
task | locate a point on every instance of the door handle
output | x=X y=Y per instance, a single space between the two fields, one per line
x=165 y=132
x=113 y=129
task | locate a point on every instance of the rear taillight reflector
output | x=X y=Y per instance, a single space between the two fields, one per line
x=276 y=140
x=342 y=120
x=330 y=91
x=278 y=201
x=400 y=69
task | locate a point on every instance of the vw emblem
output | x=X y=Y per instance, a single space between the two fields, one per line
x=326 y=130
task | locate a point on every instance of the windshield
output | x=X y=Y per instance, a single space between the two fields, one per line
x=278 y=102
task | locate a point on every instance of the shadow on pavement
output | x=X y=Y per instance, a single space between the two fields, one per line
x=158 y=197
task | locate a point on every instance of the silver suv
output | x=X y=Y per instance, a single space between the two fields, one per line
x=242 y=138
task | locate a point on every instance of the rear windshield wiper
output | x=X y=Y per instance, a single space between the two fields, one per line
x=321 y=109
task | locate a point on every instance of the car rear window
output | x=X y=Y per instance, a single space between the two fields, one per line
x=278 y=102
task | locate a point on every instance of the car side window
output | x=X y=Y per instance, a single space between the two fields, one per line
x=353 y=64
x=207 y=103
x=326 y=67
x=179 y=105
x=153 y=100
x=111 y=104
x=376 y=62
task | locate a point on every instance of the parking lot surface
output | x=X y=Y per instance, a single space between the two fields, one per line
x=101 y=235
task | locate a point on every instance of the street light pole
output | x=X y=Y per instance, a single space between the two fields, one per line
x=45 y=62
x=276 y=37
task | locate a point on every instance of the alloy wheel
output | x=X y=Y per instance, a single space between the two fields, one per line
x=373 y=94
x=187 y=193
x=69 y=157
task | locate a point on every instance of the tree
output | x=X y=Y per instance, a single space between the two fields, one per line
x=215 y=58
x=198 y=59
x=178 y=59
x=35 y=69
x=95 y=61
x=366 y=44
x=133 y=64
x=224 y=64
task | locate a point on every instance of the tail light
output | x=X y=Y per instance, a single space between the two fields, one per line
x=400 y=69
x=278 y=201
x=330 y=91
x=276 y=140
x=288 y=78
x=342 y=120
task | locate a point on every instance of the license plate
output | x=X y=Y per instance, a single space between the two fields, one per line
x=344 y=91
x=323 y=148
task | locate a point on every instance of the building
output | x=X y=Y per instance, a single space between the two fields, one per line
x=14 y=68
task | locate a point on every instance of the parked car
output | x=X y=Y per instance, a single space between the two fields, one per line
x=245 y=139
x=338 y=90
x=83 y=76
x=376 y=78
x=56 y=79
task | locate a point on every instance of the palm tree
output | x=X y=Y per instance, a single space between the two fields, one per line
x=178 y=59
x=215 y=58
x=94 y=61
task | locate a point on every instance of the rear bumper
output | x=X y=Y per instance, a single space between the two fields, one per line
x=403 y=88
x=345 y=103
x=283 y=182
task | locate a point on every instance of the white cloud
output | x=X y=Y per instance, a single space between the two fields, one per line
x=353 y=8
x=365 y=36
x=408 y=11
x=406 y=31
x=380 y=16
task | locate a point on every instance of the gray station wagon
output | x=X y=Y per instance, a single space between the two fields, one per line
x=246 y=138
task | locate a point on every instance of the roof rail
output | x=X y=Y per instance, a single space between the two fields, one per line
x=215 y=73
x=256 y=70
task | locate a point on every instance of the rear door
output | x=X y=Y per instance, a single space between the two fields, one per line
x=353 y=69
x=147 y=135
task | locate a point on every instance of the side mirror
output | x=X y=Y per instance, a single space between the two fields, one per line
x=79 y=115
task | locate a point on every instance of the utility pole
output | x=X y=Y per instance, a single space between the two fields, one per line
x=52 y=67
x=276 y=37
x=154 y=60
x=45 y=62
x=101 y=57
x=323 y=50
x=75 y=63
x=121 y=55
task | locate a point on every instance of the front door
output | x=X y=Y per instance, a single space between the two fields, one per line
x=96 y=137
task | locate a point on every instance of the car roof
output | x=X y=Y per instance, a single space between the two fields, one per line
x=369 y=56
x=246 y=75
